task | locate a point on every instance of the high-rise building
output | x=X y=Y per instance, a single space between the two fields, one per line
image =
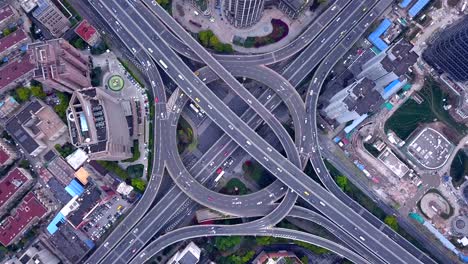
x=243 y=13
x=51 y=17
x=293 y=8
x=449 y=51
x=59 y=65
x=97 y=123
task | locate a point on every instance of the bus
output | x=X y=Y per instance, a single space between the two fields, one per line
x=220 y=175
x=163 y=64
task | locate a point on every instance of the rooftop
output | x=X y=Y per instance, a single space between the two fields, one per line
x=5 y=12
x=374 y=37
x=87 y=200
x=11 y=183
x=61 y=170
x=392 y=162
x=366 y=100
x=28 y=210
x=82 y=175
x=85 y=30
x=14 y=70
x=400 y=58
x=70 y=243
x=49 y=122
x=4 y=152
x=12 y=39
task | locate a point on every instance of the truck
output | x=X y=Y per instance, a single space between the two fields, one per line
x=194 y=108
x=220 y=175
x=163 y=64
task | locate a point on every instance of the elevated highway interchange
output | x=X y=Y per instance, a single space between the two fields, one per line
x=241 y=137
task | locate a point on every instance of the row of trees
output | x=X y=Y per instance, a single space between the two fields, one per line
x=344 y=184
x=209 y=40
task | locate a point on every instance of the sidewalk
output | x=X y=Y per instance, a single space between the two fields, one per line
x=226 y=32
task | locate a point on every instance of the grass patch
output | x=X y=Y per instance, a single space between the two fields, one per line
x=459 y=168
x=209 y=40
x=256 y=172
x=96 y=76
x=280 y=30
x=127 y=67
x=202 y=4
x=185 y=138
x=114 y=167
x=235 y=187
x=65 y=150
x=411 y=114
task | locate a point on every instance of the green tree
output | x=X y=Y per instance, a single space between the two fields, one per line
x=225 y=243
x=313 y=248
x=61 y=108
x=234 y=259
x=204 y=37
x=392 y=222
x=96 y=75
x=305 y=260
x=135 y=171
x=6 y=32
x=163 y=2
x=247 y=256
x=38 y=92
x=342 y=181
x=264 y=240
x=23 y=93
x=139 y=184
x=214 y=42
x=24 y=164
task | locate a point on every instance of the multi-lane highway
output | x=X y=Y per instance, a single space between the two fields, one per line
x=257 y=147
x=240 y=132
x=309 y=34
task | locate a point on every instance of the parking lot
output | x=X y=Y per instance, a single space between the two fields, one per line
x=104 y=217
x=430 y=148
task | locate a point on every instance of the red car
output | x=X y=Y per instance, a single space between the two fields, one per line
x=219 y=170
x=210 y=198
x=156 y=99
x=226 y=153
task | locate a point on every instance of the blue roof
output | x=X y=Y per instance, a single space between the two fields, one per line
x=374 y=37
x=74 y=188
x=390 y=89
x=89 y=243
x=58 y=219
x=416 y=8
x=405 y=3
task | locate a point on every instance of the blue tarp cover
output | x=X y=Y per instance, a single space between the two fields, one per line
x=374 y=37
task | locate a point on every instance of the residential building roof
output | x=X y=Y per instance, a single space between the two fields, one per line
x=6 y=12
x=29 y=209
x=12 y=39
x=14 y=70
x=11 y=183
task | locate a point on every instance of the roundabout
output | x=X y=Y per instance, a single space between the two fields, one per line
x=115 y=83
